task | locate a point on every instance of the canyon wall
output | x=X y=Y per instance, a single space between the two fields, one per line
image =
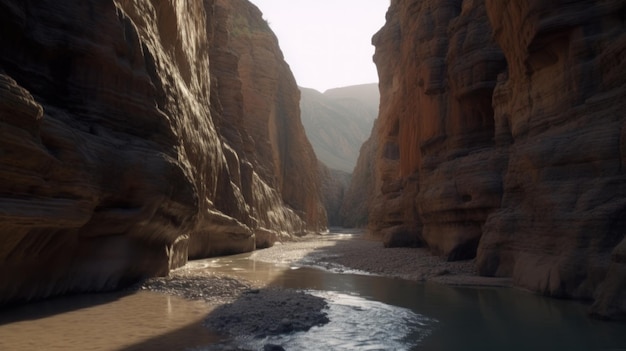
x=501 y=137
x=334 y=185
x=135 y=134
x=360 y=192
x=256 y=103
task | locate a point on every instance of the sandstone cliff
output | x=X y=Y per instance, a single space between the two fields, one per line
x=362 y=189
x=256 y=99
x=130 y=139
x=334 y=186
x=501 y=136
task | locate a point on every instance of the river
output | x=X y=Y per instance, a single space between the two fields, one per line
x=366 y=312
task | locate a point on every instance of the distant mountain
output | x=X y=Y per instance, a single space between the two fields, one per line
x=338 y=121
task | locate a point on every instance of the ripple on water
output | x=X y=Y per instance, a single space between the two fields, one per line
x=355 y=324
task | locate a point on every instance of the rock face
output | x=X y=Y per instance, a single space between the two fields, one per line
x=128 y=143
x=560 y=114
x=257 y=102
x=334 y=185
x=501 y=136
x=362 y=189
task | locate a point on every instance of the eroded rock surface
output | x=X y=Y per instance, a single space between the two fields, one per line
x=359 y=194
x=256 y=101
x=118 y=158
x=559 y=111
x=501 y=136
x=437 y=171
x=334 y=185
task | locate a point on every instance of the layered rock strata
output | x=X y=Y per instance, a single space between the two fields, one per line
x=127 y=144
x=501 y=136
x=361 y=190
x=256 y=103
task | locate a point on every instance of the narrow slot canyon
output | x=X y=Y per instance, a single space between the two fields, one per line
x=222 y=175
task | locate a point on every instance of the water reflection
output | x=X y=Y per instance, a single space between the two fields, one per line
x=355 y=324
x=364 y=310
x=468 y=318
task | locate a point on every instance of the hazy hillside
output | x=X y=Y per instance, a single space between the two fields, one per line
x=339 y=121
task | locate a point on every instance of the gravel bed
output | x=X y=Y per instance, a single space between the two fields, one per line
x=214 y=289
x=264 y=312
x=249 y=310
x=354 y=252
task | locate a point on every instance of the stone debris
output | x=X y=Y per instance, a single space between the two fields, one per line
x=211 y=288
x=265 y=312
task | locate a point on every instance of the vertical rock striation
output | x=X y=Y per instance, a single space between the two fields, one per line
x=361 y=190
x=256 y=101
x=560 y=114
x=501 y=137
x=127 y=144
x=437 y=173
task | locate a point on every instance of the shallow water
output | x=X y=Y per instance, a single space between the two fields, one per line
x=138 y=321
x=355 y=324
x=367 y=313
x=438 y=317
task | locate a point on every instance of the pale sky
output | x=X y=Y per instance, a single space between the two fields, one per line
x=327 y=43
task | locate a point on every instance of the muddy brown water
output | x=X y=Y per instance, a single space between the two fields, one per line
x=138 y=321
x=367 y=313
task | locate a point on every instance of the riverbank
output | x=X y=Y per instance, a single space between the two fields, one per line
x=341 y=252
x=272 y=299
x=249 y=309
x=351 y=251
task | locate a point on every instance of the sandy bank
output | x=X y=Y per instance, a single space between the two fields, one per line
x=350 y=250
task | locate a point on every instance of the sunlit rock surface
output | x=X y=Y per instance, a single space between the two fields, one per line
x=437 y=171
x=118 y=158
x=501 y=137
x=256 y=103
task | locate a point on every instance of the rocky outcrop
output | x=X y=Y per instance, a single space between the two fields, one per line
x=559 y=114
x=256 y=100
x=338 y=121
x=501 y=136
x=437 y=172
x=117 y=160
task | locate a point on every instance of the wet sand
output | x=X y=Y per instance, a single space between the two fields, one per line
x=353 y=251
x=347 y=251
x=240 y=299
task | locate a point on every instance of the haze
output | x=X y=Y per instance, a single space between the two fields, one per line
x=327 y=43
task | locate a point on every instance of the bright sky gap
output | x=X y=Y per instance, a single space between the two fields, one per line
x=327 y=43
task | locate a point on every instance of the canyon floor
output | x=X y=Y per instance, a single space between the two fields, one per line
x=342 y=251
x=250 y=307
x=351 y=251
